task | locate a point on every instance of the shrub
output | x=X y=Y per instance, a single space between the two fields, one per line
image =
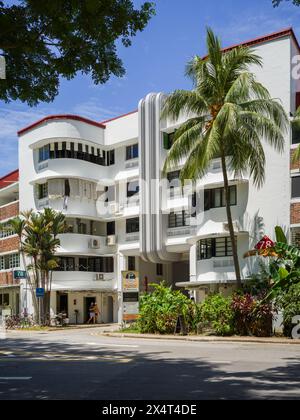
x=159 y=310
x=216 y=314
x=289 y=303
x=251 y=316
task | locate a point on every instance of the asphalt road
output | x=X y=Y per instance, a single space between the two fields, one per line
x=81 y=365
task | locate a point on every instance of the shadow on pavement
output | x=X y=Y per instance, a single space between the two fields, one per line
x=78 y=372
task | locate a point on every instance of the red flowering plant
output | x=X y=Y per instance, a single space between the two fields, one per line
x=252 y=316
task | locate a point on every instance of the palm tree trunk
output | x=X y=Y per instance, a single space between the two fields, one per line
x=230 y=222
x=29 y=283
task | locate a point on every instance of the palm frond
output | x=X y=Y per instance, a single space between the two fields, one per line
x=184 y=102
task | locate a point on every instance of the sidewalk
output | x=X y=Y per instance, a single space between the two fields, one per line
x=205 y=339
x=104 y=328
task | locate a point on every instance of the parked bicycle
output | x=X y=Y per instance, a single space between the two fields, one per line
x=19 y=322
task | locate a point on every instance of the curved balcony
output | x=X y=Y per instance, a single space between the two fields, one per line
x=221 y=269
x=77 y=244
x=70 y=168
x=64 y=127
x=214 y=177
x=83 y=281
x=73 y=207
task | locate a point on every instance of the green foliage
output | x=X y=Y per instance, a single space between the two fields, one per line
x=159 y=310
x=38 y=234
x=44 y=40
x=252 y=316
x=258 y=284
x=216 y=314
x=284 y=265
x=276 y=3
x=280 y=235
x=289 y=303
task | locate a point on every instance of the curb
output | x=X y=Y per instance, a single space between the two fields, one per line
x=247 y=340
x=62 y=329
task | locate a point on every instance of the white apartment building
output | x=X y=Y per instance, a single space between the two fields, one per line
x=100 y=176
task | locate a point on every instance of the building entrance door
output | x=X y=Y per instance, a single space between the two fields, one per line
x=110 y=309
x=87 y=304
x=62 y=304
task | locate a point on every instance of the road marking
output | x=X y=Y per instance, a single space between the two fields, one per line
x=15 y=378
x=220 y=362
x=113 y=345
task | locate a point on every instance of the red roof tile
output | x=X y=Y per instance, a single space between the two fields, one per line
x=9 y=179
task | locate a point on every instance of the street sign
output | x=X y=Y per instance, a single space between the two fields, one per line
x=20 y=274
x=131 y=287
x=40 y=293
x=265 y=243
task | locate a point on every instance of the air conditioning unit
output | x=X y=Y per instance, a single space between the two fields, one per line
x=99 y=277
x=111 y=240
x=236 y=227
x=95 y=244
x=112 y=208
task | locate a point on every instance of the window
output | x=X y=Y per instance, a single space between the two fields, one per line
x=215 y=198
x=110 y=194
x=71 y=150
x=131 y=263
x=66 y=264
x=168 y=140
x=133 y=225
x=295 y=133
x=43 y=191
x=174 y=182
x=8 y=262
x=297 y=100
x=2 y=263
x=110 y=157
x=178 y=219
x=132 y=152
x=4 y=299
x=6 y=231
x=215 y=247
x=159 y=270
x=107 y=265
x=295 y=234
x=44 y=153
x=296 y=187
x=133 y=188
x=82 y=228
x=14 y=260
x=111 y=228
x=101 y=265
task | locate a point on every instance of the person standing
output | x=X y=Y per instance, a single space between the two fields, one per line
x=92 y=313
x=97 y=312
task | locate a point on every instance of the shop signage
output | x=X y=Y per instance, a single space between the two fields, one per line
x=131 y=287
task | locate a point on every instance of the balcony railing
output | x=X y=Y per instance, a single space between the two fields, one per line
x=132 y=237
x=223 y=263
x=181 y=231
x=132 y=164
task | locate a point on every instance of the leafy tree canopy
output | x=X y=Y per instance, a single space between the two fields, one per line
x=276 y=3
x=43 y=40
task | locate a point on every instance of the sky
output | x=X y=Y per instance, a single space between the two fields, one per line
x=155 y=62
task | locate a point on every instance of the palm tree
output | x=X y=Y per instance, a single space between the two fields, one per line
x=40 y=245
x=38 y=235
x=230 y=113
x=17 y=225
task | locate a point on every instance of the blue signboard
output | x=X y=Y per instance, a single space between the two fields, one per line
x=20 y=274
x=40 y=293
